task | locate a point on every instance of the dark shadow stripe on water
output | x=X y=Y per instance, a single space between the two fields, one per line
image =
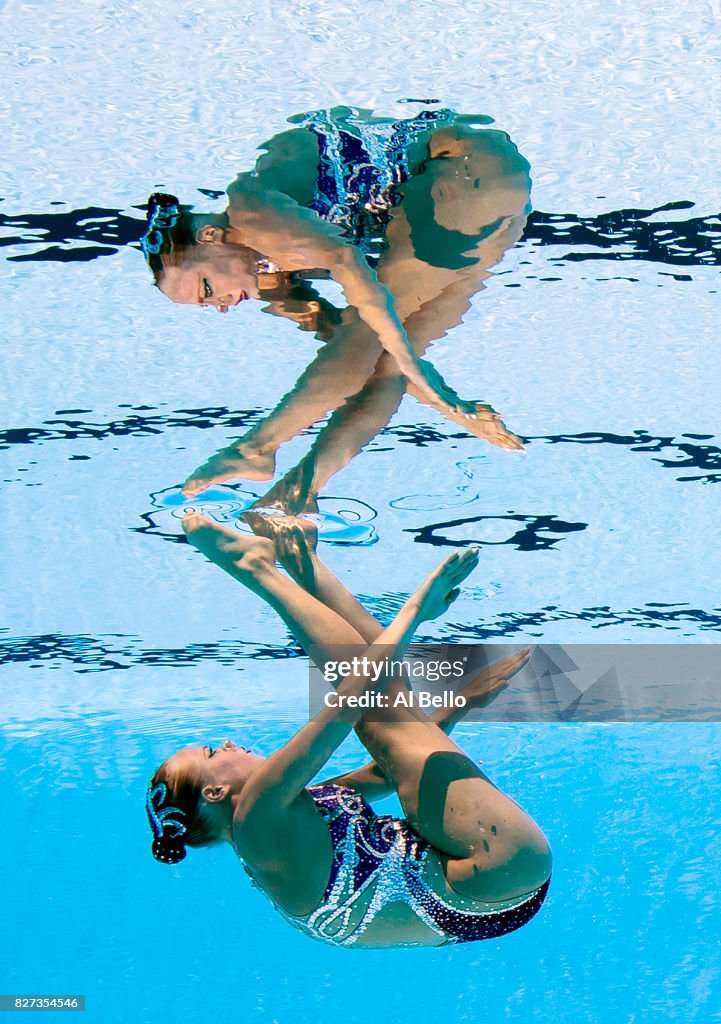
x=687 y=452
x=684 y=453
x=99 y=230
x=88 y=233
x=526 y=532
x=116 y=651
x=143 y=421
x=652 y=615
x=692 y=242
x=112 y=652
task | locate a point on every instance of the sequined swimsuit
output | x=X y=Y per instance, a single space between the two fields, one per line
x=360 y=165
x=384 y=855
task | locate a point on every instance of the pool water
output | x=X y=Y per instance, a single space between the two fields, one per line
x=595 y=338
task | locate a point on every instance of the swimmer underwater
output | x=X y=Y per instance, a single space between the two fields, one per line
x=465 y=863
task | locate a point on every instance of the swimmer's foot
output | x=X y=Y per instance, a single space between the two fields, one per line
x=440 y=589
x=493 y=680
x=294 y=493
x=242 y=557
x=231 y=463
x=294 y=538
x=483 y=689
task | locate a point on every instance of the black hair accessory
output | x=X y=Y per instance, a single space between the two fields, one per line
x=168 y=825
x=168 y=851
x=163 y=213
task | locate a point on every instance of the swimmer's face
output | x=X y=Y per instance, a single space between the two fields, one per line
x=226 y=765
x=210 y=274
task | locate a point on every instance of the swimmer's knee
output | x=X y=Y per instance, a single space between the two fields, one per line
x=545 y=859
x=533 y=862
x=525 y=863
x=447 y=143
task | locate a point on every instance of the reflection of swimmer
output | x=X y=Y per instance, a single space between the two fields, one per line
x=465 y=863
x=432 y=203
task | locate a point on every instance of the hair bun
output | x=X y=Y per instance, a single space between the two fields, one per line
x=167 y=850
x=157 y=200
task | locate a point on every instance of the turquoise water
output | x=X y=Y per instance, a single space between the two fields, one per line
x=118 y=644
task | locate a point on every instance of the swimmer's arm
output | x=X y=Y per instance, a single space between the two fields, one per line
x=282 y=778
x=370 y=781
x=296 y=238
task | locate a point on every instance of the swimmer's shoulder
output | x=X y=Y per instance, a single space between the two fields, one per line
x=288 y=854
x=288 y=163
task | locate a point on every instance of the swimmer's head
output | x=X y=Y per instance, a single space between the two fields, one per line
x=193 y=257
x=190 y=798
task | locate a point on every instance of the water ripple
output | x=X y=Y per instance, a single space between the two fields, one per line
x=113 y=651
x=338 y=520
x=109 y=652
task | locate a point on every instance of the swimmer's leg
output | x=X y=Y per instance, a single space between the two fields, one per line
x=339 y=370
x=492 y=849
x=251 y=561
x=325 y=586
x=357 y=422
x=495 y=851
x=353 y=426
x=437 y=317
x=346 y=433
x=318 y=579
x=432 y=322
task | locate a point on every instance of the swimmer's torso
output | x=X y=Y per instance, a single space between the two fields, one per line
x=382 y=884
x=461 y=203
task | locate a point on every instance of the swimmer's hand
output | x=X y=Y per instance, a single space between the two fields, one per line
x=442 y=394
x=487 y=685
x=484 y=422
x=440 y=590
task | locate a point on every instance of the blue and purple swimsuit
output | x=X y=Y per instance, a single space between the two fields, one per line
x=383 y=856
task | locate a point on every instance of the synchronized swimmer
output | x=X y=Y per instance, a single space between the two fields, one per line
x=465 y=863
x=409 y=217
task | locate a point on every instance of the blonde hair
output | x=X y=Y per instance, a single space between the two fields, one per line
x=184 y=790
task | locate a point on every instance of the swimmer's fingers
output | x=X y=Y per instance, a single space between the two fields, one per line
x=494 y=680
x=483 y=421
x=508 y=667
x=499 y=435
x=505 y=439
x=458 y=566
